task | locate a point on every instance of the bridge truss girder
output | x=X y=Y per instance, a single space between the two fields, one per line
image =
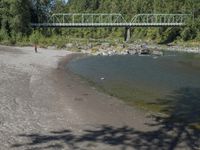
x=86 y=18
x=113 y=20
x=160 y=18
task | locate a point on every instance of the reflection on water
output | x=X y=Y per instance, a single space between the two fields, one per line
x=140 y=79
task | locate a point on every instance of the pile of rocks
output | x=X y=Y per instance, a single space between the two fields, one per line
x=106 y=49
x=131 y=49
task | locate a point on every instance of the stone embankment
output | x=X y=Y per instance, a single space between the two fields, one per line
x=107 y=49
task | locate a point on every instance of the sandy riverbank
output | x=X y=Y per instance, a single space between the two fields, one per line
x=44 y=106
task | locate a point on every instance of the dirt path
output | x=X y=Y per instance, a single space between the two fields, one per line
x=44 y=107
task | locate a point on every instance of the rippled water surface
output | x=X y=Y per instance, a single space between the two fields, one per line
x=139 y=79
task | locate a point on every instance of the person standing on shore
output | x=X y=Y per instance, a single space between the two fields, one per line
x=36 y=48
x=35 y=39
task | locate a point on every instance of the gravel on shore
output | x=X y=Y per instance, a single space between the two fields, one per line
x=44 y=106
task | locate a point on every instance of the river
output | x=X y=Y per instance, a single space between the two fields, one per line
x=140 y=80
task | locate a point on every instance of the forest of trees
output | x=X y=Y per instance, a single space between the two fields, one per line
x=16 y=16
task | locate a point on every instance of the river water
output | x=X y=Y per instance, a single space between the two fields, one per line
x=139 y=80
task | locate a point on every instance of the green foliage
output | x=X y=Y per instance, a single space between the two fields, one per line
x=15 y=16
x=152 y=34
x=60 y=43
x=3 y=35
x=169 y=35
x=198 y=36
x=188 y=34
x=35 y=37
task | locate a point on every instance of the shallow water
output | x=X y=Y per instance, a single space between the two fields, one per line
x=139 y=79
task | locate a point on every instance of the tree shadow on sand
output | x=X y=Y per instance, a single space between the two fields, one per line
x=177 y=129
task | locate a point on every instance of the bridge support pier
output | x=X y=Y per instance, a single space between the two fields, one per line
x=127 y=34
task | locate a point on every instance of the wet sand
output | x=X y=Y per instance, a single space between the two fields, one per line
x=45 y=106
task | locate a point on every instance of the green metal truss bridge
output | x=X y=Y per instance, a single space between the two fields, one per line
x=113 y=20
x=81 y=20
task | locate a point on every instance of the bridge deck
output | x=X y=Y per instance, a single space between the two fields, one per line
x=107 y=24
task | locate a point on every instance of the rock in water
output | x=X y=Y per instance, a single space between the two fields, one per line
x=102 y=78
